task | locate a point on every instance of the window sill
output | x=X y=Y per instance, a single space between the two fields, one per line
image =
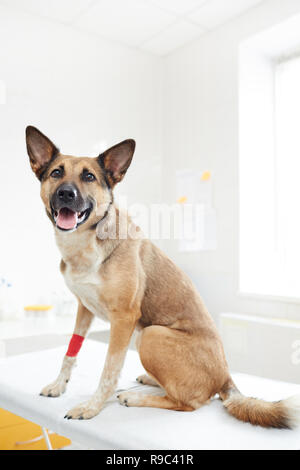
x=269 y=298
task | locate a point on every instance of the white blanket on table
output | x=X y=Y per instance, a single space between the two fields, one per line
x=117 y=427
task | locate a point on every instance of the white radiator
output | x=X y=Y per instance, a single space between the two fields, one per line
x=267 y=347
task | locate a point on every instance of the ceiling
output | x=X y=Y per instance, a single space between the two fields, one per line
x=156 y=26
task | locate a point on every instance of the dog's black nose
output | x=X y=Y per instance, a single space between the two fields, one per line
x=67 y=193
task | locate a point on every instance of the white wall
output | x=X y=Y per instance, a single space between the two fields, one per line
x=201 y=131
x=80 y=91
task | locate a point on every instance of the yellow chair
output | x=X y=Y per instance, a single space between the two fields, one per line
x=17 y=433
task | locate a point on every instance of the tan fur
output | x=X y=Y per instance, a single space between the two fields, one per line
x=133 y=284
x=147 y=380
x=258 y=412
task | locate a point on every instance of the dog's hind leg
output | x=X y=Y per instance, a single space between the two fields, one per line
x=129 y=398
x=189 y=371
x=147 y=380
x=144 y=379
x=83 y=321
x=151 y=401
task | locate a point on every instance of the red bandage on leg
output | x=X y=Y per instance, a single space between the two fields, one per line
x=74 y=345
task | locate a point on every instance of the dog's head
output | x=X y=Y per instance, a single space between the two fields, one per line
x=76 y=191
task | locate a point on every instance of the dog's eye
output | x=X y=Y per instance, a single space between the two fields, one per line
x=56 y=173
x=88 y=177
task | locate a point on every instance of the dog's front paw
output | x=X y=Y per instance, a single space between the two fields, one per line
x=86 y=410
x=55 y=389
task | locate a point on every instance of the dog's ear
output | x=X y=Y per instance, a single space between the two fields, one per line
x=40 y=150
x=116 y=160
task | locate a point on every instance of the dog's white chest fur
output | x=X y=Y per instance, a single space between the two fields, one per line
x=81 y=273
x=88 y=289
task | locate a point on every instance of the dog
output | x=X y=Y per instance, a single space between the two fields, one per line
x=135 y=286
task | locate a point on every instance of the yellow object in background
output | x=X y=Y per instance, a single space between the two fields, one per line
x=182 y=200
x=14 y=429
x=38 y=308
x=206 y=176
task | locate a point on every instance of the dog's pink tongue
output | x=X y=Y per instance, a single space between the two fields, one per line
x=66 y=219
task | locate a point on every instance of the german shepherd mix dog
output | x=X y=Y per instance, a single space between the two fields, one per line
x=132 y=284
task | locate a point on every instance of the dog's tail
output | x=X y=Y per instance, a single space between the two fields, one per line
x=284 y=414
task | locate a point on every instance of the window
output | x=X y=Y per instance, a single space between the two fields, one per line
x=269 y=175
x=287 y=134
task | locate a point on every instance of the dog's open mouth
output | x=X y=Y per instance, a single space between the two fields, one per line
x=67 y=219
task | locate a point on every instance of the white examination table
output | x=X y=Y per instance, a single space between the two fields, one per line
x=117 y=427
